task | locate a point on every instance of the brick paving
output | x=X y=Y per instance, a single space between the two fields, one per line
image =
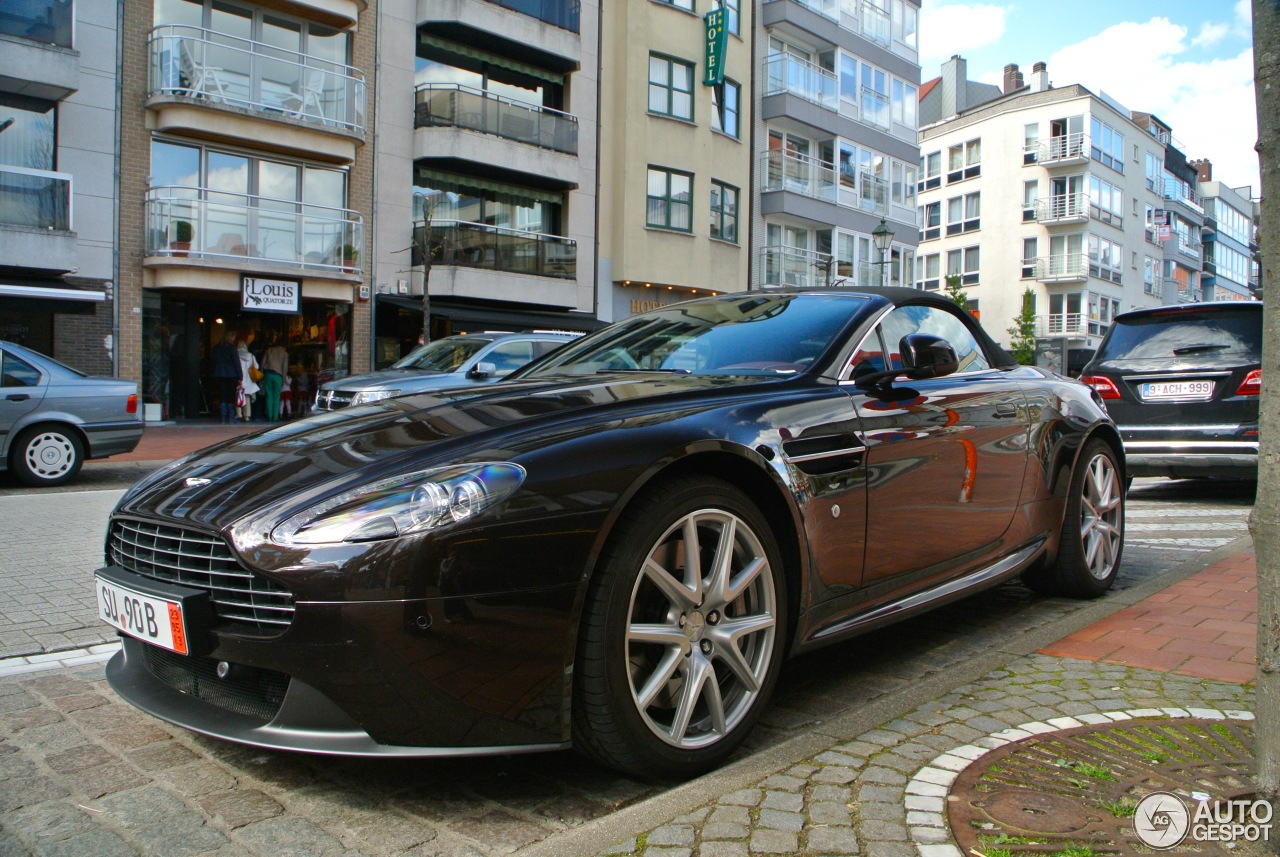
x=167 y=441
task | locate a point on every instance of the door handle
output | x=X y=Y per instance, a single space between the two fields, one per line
x=17 y=397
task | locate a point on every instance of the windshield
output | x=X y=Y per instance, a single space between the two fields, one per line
x=443 y=355
x=1179 y=333
x=764 y=335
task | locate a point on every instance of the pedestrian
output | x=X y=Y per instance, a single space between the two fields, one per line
x=227 y=372
x=302 y=388
x=275 y=366
x=248 y=382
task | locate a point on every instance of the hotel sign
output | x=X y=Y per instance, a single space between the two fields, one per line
x=717 y=45
x=260 y=295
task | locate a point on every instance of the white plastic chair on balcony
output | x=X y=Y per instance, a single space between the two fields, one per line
x=201 y=79
x=307 y=101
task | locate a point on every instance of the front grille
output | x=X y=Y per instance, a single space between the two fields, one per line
x=173 y=554
x=332 y=400
x=249 y=691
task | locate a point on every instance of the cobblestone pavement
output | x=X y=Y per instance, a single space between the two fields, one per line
x=881 y=793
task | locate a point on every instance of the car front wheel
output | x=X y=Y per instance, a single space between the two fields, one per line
x=47 y=455
x=682 y=634
x=1092 y=529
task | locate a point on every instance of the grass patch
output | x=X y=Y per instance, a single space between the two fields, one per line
x=1122 y=808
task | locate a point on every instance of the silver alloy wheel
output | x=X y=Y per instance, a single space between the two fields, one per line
x=700 y=635
x=50 y=454
x=1101 y=516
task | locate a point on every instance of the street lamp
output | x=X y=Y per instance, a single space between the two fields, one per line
x=882 y=237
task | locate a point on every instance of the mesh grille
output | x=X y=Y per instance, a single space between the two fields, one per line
x=249 y=691
x=191 y=558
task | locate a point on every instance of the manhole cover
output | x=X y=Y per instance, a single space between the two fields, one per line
x=1076 y=791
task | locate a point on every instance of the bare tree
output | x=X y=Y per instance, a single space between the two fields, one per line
x=1264 y=522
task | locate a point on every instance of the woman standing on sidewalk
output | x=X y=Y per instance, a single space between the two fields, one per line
x=226 y=369
x=275 y=365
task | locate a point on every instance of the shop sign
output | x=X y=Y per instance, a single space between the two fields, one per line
x=262 y=295
x=717 y=45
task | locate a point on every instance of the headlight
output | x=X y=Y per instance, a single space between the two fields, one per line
x=415 y=503
x=366 y=396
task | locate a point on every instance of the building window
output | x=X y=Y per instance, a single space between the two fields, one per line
x=964 y=213
x=930 y=171
x=963 y=264
x=1030 y=193
x=1106 y=258
x=724 y=102
x=732 y=15
x=1107 y=145
x=1106 y=202
x=930 y=221
x=928 y=270
x=670 y=200
x=964 y=161
x=1030 y=247
x=670 y=87
x=905 y=102
x=686 y=5
x=724 y=212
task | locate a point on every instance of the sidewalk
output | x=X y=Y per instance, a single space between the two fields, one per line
x=170 y=440
x=1170 y=662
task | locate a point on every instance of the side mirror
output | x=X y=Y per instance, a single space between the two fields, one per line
x=483 y=370
x=927 y=356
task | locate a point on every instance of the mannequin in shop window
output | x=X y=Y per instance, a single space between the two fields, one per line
x=275 y=366
x=227 y=371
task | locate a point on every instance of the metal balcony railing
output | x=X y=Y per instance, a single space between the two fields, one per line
x=1153 y=286
x=1064 y=206
x=829 y=9
x=1062 y=324
x=780 y=170
x=1069 y=266
x=215 y=68
x=38 y=199
x=1190 y=248
x=790 y=267
x=786 y=73
x=1178 y=192
x=564 y=14
x=478 y=245
x=238 y=227
x=873 y=193
x=457 y=106
x=49 y=22
x=875 y=108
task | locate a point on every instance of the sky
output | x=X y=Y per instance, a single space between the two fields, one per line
x=1189 y=62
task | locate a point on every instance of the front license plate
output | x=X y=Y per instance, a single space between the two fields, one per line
x=1178 y=390
x=158 y=621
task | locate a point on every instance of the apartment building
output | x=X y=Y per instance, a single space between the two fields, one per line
x=1230 y=271
x=245 y=187
x=836 y=161
x=57 y=179
x=675 y=152
x=1056 y=189
x=486 y=167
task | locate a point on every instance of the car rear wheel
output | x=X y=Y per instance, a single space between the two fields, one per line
x=1092 y=529
x=682 y=634
x=47 y=455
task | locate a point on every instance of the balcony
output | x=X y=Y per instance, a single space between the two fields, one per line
x=461 y=244
x=49 y=22
x=193 y=67
x=1188 y=248
x=213 y=226
x=452 y=105
x=35 y=220
x=792 y=268
x=786 y=74
x=1069 y=267
x=1060 y=151
x=1070 y=324
x=1153 y=285
x=558 y=13
x=1176 y=192
x=1062 y=208
x=806 y=176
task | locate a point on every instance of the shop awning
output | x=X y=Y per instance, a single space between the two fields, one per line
x=486 y=318
x=22 y=290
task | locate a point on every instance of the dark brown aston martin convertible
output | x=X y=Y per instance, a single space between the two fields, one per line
x=614 y=549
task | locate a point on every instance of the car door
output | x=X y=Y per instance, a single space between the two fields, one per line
x=22 y=388
x=946 y=457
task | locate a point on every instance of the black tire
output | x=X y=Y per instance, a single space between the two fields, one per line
x=722 y=648
x=1092 y=529
x=47 y=455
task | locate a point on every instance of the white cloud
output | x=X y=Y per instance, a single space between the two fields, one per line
x=957 y=29
x=1209 y=104
x=1211 y=33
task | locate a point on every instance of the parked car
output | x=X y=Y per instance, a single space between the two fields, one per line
x=617 y=547
x=468 y=358
x=53 y=417
x=1182 y=384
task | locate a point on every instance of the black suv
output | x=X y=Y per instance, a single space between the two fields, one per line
x=1182 y=384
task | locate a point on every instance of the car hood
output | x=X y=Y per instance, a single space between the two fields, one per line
x=389 y=379
x=308 y=459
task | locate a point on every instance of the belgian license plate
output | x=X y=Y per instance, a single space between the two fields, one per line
x=1178 y=390
x=158 y=621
